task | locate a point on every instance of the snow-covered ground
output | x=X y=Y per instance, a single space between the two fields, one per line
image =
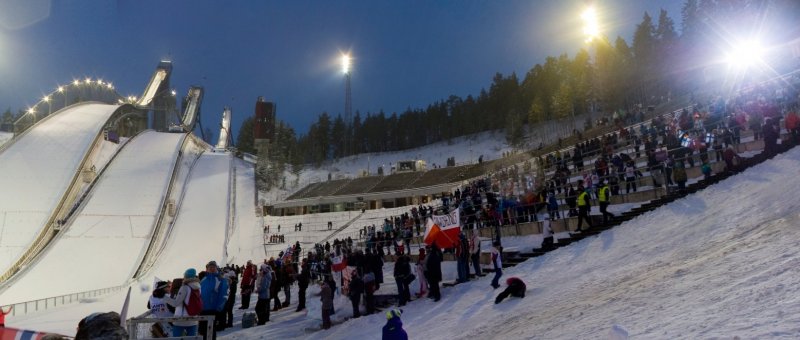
x=39 y=166
x=5 y=137
x=721 y=263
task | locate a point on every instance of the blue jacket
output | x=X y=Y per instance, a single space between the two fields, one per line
x=393 y=330
x=214 y=291
x=263 y=287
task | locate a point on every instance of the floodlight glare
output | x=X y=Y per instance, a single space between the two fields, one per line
x=46 y=99
x=591 y=26
x=345 y=63
x=173 y=93
x=76 y=82
x=745 y=54
x=60 y=89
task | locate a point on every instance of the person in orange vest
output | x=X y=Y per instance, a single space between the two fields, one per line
x=3 y=314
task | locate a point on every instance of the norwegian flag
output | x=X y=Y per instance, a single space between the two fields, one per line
x=339 y=263
x=20 y=334
x=287 y=255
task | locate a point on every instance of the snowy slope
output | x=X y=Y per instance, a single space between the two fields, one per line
x=5 y=137
x=106 y=240
x=39 y=167
x=246 y=239
x=711 y=265
x=198 y=233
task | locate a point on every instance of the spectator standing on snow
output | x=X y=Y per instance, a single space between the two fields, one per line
x=302 y=282
x=475 y=251
x=232 y=278
x=156 y=304
x=263 y=283
x=604 y=198
x=497 y=263
x=462 y=258
x=402 y=271
x=190 y=284
x=421 y=276
x=584 y=206
x=326 y=296
x=433 y=267
x=248 y=283
x=214 y=290
x=356 y=289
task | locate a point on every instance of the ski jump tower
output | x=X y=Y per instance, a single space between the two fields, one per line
x=264 y=134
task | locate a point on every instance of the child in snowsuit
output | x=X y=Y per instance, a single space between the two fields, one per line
x=393 y=330
x=515 y=288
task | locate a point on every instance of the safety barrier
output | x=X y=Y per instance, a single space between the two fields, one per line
x=30 y=307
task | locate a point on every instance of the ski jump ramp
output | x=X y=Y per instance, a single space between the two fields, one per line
x=37 y=171
x=109 y=235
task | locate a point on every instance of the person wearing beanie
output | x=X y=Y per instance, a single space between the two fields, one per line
x=214 y=290
x=393 y=330
x=159 y=308
x=190 y=283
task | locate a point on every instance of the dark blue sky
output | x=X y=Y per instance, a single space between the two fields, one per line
x=406 y=53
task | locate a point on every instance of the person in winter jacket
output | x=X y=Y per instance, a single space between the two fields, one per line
x=233 y=279
x=462 y=258
x=190 y=283
x=393 y=330
x=423 y=283
x=248 y=283
x=679 y=173
x=214 y=290
x=302 y=282
x=516 y=288
x=263 y=284
x=402 y=270
x=433 y=268
x=356 y=289
x=158 y=307
x=792 y=123
x=497 y=263
x=474 y=251
x=326 y=296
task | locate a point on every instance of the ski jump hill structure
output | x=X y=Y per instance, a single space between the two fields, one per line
x=95 y=198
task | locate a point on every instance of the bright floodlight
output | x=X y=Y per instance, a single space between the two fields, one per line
x=76 y=82
x=173 y=93
x=745 y=54
x=345 y=63
x=31 y=110
x=46 y=99
x=60 y=89
x=591 y=26
x=88 y=80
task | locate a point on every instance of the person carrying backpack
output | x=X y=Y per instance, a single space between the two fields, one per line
x=187 y=302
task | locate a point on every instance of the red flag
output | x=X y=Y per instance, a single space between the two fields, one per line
x=443 y=229
x=339 y=263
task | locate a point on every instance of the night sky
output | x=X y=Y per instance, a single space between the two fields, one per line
x=406 y=53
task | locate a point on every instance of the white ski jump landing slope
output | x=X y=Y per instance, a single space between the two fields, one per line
x=247 y=238
x=199 y=231
x=107 y=239
x=36 y=170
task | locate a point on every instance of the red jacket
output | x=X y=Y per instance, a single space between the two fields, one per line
x=248 y=276
x=791 y=121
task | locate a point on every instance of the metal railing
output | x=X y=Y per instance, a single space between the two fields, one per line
x=30 y=307
x=138 y=325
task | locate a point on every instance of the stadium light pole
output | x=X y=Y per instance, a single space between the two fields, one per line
x=348 y=105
